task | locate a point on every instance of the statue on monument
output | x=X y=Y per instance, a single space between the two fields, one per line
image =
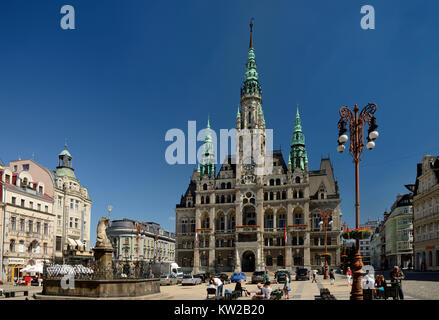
x=101 y=238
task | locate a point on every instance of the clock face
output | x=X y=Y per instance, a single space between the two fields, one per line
x=249 y=164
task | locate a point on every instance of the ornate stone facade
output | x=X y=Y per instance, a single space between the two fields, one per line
x=237 y=219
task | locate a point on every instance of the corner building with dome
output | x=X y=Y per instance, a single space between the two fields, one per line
x=237 y=220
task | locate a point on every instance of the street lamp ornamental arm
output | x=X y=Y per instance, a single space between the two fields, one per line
x=356 y=122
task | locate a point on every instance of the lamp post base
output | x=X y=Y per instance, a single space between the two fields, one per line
x=357 y=265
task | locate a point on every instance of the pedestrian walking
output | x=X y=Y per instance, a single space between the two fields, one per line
x=266 y=276
x=396 y=277
x=219 y=286
x=332 y=276
x=314 y=276
x=286 y=289
x=349 y=276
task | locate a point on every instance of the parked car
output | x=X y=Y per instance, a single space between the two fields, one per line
x=258 y=277
x=281 y=274
x=223 y=277
x=236 y=276
x=189 y=280
x=168 y=279
x=202 y=276
x=302 y=274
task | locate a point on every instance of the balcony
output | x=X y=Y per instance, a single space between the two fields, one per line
x=204 y=230
x=297 y=227
x=225 y=231
x=244 y=228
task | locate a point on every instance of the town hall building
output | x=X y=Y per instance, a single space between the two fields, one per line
x=238 y=219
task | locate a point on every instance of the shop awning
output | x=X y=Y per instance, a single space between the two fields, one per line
x=80 y=244
x=72 y=242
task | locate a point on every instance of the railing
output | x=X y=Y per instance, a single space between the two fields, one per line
x=297 y=227
x=224 y=231
x=121 y=270
x=245 y=228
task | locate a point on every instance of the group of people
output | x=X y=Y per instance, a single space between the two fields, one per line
x=379 y=283
x=263 y=293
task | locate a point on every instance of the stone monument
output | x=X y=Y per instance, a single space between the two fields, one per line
x=103 y=251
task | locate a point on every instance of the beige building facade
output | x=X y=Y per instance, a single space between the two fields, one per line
x=41 y=196
x=28 y=230
x=426 y=214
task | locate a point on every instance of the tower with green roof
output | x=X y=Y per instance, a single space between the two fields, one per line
x=207 y=167
x=250 y=120
x=64 y=167
x=298 y=157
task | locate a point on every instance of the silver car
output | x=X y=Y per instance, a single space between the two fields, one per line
x=168 y=279
x=190 y=281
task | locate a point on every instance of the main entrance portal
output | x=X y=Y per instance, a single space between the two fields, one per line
x=248 y=261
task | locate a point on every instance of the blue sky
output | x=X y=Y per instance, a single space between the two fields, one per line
x=131 y=70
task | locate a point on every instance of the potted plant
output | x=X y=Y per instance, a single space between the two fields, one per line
x=358 y=234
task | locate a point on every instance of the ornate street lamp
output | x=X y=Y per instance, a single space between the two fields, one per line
x=356 y=122
x=325 y=214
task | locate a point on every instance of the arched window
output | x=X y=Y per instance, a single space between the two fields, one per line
x=268 y=223
x=297 y=179
x=271 y=182
x=271 y=195
x=229 y=199
x=202 y=200
x=223 y=185
x=300 y=194
x=249 y=215
x=278 y=182
x=222 y=199
x=207 y=199
x=322 y=196
x=205 y=186
x=278 y=195
x=282 y=220
x=265 y=196
x=217 y=199
x=229 y=185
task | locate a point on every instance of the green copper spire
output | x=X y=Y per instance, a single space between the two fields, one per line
x=298 y=156
x=251 y=82
x=208 y=155
x=238 y=114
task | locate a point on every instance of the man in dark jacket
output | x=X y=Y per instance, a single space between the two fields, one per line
x=396 y=276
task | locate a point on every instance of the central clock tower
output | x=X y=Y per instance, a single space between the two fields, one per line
x=250 y=125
